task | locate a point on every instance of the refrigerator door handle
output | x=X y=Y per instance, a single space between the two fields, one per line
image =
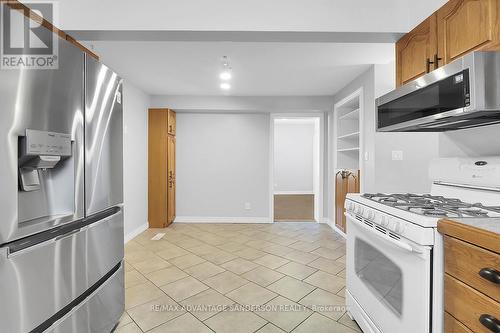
x=69 y=234
x=43 y=244
x=104 y=219
x=28 y=249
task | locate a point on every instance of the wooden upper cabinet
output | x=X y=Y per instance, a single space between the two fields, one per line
x=457 y=28
x=416 y=51
x=467 y=25
x=171 y=122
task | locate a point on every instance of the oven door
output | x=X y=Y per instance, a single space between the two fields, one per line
x=389 y=278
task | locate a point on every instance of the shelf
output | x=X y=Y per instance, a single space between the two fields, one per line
x=350 y=115
x=348 y=149
x=349 y=136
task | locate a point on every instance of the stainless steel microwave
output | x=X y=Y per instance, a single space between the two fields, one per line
x=462 y=94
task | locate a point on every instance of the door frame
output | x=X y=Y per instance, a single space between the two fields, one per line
x=319 y=193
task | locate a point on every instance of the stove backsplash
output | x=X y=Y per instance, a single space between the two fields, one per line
x=481 y=141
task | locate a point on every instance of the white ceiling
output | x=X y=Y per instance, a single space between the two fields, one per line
x=276 y=47
x=237 y=15
x=259 y=69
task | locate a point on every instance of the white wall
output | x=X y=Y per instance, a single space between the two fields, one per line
x=222 y=163
x=135 y=159
x=420 y=10
x=293 y=155
x=480 y=141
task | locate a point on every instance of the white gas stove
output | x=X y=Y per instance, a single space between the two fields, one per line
x=395 y=254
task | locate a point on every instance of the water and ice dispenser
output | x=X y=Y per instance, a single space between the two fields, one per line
x=40 y=150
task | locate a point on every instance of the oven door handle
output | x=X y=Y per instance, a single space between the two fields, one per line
x=395 y=242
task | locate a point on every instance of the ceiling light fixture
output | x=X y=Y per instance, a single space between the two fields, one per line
x=226 y=69
x=225 y=86
x=225 y=75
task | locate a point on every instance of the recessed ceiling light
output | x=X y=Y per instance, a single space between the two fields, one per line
x=225 y=86
x=225 y=75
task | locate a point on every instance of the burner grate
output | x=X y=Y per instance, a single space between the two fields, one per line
x=434 y=206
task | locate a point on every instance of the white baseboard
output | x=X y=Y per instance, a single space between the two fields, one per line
x=334 y=227
x=129 y=236
x=292 y=192
x=212 y=219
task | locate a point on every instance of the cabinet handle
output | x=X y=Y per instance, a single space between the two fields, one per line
x=436 y=61
x=490 y=274
x=490 y=323
x=428 y=65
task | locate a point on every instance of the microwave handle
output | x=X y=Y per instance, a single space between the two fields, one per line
x=388 y=239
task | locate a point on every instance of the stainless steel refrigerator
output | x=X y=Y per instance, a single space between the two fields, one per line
x=61 y=197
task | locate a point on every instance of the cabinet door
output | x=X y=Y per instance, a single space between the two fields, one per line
x=171 y=179
x=171 y=122
x=467 y=25
x=416 y=52
x=157 y=168
x=340 y=194
x=345 y=182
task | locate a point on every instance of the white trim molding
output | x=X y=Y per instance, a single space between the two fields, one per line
x=292 y=192
x=318 y=191
x=131 y=235
x=213 y=219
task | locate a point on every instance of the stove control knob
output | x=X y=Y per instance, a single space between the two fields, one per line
x=384 y=221
x=398 y=227
x=391 y=224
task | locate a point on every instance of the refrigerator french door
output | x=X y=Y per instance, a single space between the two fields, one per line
x=389 y=280
x=103 y=138
x=60 y=250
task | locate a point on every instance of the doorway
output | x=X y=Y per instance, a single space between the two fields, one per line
x=296 y=168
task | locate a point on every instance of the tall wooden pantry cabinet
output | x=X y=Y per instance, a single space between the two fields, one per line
x=161 y=168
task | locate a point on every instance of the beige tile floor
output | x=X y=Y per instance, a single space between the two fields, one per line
x=265 y=278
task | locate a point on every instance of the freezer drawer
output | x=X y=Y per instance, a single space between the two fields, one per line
x=40 y=280
x=99 y=312
x=43 y=274
x=103 y=137
x=104 y=245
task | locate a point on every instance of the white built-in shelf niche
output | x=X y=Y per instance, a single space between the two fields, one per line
x=347 y=133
